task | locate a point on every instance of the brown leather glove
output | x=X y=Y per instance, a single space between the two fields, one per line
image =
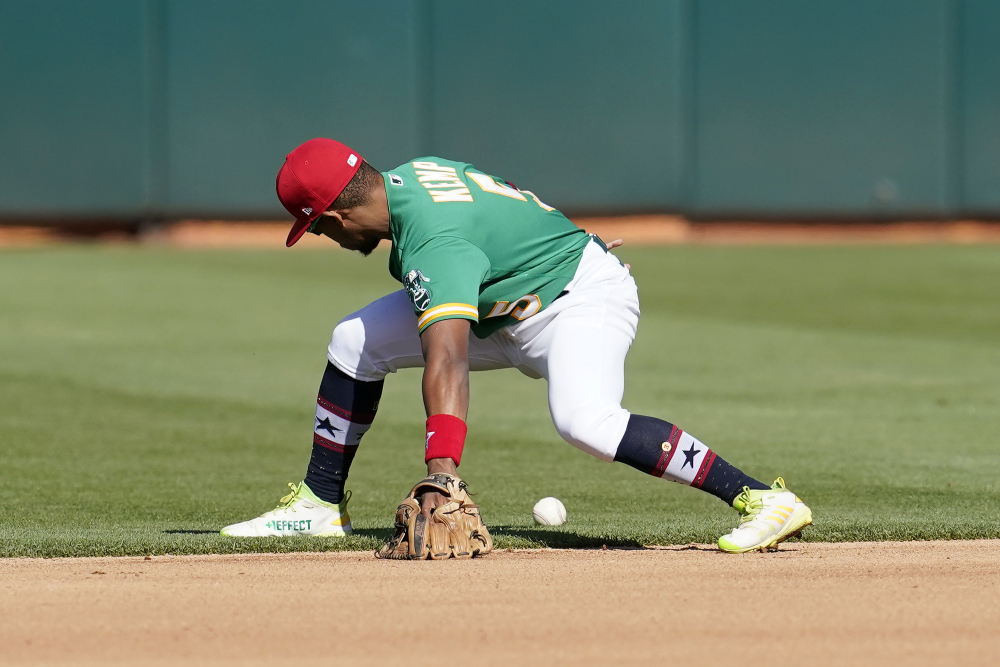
x=454 y=529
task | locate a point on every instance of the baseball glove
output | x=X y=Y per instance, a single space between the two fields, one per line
x=454 y=530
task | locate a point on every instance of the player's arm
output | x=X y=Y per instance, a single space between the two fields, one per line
x=445 y=346
x=443 y=276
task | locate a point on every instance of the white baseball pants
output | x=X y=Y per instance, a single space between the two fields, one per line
x=578 y=344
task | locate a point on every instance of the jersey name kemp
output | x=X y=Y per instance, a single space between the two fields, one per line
x=445 y=185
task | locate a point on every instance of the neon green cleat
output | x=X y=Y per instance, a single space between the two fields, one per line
x=300 y=513
x=768 y=517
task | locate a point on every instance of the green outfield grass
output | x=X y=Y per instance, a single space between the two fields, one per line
x=150 y=396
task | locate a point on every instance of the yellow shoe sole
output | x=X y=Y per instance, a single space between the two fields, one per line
x=791 y=529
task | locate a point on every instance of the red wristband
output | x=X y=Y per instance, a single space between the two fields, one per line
x=445 y=438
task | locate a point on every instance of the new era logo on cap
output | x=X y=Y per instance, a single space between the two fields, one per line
x=353 y=160
x=307 y=210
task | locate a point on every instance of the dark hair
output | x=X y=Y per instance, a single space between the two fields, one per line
x=358 y=191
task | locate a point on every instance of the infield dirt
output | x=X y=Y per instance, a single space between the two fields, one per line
x=913 y=603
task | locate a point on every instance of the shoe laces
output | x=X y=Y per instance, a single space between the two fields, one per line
x=286 y=501
x=751 y=507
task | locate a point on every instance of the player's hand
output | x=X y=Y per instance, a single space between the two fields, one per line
x=432 y=499
x=615 y=244
x=429 y=501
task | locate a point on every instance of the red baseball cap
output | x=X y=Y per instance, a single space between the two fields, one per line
x=313 y=176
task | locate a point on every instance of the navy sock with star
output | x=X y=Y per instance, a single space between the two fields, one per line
x=345 y=409
x=661 y=449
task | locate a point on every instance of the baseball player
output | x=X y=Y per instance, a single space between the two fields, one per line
x=492 y=278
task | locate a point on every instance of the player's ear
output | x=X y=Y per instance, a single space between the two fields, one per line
x=336 y=215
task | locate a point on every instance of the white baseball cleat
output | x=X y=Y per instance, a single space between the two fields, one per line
x=768 y=517
x=300 y=513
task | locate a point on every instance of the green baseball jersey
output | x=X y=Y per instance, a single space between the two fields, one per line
x=468 y=245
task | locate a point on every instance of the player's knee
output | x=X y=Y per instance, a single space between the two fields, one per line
x=594 y=429
x=347 y=349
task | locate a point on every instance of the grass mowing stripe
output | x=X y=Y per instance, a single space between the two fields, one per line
x=153 y=395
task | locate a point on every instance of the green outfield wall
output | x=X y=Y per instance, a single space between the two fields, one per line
x=152 y=109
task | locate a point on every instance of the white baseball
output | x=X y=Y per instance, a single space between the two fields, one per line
x=549 y=512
